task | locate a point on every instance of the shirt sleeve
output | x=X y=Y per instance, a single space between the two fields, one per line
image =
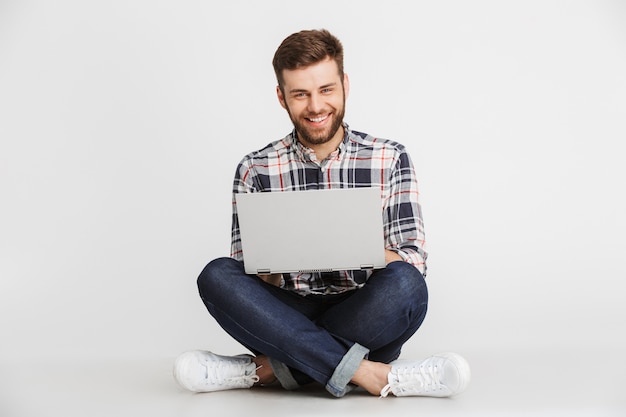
x=404 y=225
x=242 y=183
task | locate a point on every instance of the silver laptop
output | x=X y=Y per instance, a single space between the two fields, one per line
x=311 y=231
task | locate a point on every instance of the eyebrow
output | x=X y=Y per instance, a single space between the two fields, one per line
x=301 y=90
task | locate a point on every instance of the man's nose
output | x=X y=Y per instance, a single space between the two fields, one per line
x=315 y=104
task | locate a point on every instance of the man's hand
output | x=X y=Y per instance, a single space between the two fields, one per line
x=273 y=279
x=391 y=256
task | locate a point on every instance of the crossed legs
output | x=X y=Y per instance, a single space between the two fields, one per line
x=332 y=339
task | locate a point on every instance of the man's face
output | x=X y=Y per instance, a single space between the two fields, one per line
x=314 y=97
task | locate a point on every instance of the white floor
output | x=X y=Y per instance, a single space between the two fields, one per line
x=504 y=383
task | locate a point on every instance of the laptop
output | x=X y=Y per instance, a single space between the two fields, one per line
x=311 y=231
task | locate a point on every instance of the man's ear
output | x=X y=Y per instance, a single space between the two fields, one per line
x=281 y=97
x=346 y=85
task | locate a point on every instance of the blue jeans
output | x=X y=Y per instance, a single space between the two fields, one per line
x=319 y=338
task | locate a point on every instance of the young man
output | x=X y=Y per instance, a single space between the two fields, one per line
x=340 y=329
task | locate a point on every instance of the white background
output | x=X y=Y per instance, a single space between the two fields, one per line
x=121 y=123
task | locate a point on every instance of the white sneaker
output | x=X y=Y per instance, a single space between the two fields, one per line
x=202 y=371
x=441 y=375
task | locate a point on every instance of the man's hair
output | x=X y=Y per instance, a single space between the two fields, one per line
x=305 y=48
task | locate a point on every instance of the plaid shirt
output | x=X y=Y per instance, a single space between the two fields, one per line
x=360 y=161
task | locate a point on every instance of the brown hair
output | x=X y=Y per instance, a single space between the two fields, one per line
x=305 y=48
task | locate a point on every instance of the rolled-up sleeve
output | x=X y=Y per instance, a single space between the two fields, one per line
x=404 y=225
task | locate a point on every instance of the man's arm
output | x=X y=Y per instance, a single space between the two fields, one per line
x=404 y=227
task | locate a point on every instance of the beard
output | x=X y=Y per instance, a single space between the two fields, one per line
x=318 y=136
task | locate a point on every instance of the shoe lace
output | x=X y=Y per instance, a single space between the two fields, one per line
x=238 y=374
x=414 y=380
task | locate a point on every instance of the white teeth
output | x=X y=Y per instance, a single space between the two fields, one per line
x=318 y=119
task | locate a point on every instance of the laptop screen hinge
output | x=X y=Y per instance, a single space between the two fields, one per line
x=367 y=266
x=263 y=271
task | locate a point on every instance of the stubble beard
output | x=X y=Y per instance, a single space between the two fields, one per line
x=313 y=137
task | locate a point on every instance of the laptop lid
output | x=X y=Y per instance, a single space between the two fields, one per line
x=311 y=231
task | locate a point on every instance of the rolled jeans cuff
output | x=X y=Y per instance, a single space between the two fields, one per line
x=338 y=384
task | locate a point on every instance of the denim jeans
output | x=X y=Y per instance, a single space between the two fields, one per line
x=319 y=338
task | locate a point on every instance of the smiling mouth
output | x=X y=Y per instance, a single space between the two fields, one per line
x=318 y=119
